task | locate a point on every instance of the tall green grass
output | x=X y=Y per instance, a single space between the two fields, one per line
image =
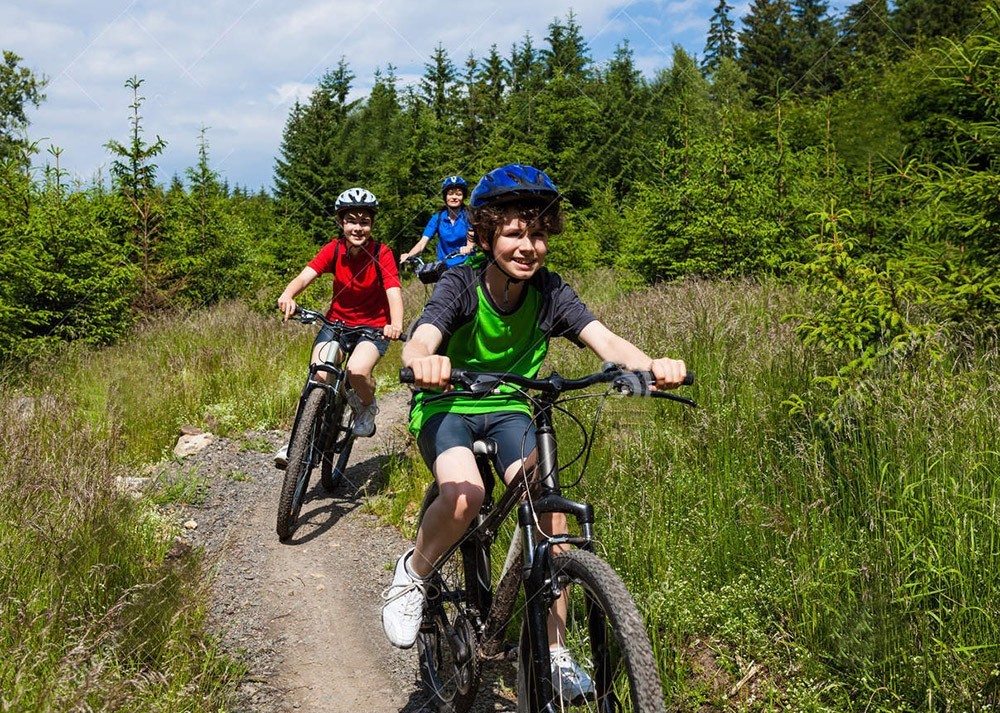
x=854 y=559
x=857 y=556
x=94 y=612
x=97 y=612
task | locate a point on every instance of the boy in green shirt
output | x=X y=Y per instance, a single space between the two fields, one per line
x=497 y=316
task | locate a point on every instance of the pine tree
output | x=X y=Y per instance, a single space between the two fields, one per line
x=526 y=67
x=918 y=21
x=864 y=27
x=492 y=81
x=765 y=48
x=567 y=53
x=438 y=83
x=721 y=41
x=134 y=176
x=813 y=35
x=623 y=107
x=310 y=157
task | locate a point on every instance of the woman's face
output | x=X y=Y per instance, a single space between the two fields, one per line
x=357 y=227
x=520 y=247
x=453 y=197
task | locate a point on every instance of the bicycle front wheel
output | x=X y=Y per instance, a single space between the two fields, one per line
x=300 y=464
x=605 y=636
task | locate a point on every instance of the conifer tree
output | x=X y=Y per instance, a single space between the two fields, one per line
x=622 y=117
x=864 y=28
x=526 y=68
x=492 y=81
x=720 y=43
x=765 y=48
x=918 y=21
x=567 y=53
x=813 y=35
x=438 y=83
x=134 y=176
x=310 y=156
x=19 y=87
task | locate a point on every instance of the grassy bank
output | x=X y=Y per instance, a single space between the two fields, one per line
x=98 y=612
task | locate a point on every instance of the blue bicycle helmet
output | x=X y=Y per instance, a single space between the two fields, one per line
x=511 y=182
x=454 y=182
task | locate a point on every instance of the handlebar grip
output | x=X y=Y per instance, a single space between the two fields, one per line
x=688 y=379
x=406 y=375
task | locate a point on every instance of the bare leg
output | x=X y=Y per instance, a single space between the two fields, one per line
x=447 y=518
x=359 y=371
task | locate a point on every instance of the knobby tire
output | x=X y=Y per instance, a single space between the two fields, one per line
x=300 y=463
x=624 y=670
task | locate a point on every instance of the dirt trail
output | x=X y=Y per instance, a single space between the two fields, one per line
x=304 y=614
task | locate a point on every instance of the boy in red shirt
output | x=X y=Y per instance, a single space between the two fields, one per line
x=366 y=292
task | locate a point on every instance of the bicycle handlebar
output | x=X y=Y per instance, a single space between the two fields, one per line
x=624 y=381
x=308 y=316
x=429 y=272
x=418 y=261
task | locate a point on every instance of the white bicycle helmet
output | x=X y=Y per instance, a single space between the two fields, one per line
x=356 y=198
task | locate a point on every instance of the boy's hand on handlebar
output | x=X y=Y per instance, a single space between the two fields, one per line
x=431 y=372
x=669 y=373
x=287 y=306
x=391 y=331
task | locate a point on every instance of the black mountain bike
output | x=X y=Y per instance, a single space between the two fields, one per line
x=466 y=617
x=323 y=433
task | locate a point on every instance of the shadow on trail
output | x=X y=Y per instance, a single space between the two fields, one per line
x=496 y=691
x=322 y=509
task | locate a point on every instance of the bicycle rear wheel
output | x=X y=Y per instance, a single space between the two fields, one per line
x=300 y=463
x=606 y=637
x=450 y=666
x=338 y=446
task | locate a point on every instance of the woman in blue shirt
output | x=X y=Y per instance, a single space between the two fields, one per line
x=451 y=224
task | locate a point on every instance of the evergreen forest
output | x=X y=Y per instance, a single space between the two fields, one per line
x=838 y=173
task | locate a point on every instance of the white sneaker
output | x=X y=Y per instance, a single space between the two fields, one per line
x=364 y=423
x=281 y=458
x=569 y=681
x=404 y=606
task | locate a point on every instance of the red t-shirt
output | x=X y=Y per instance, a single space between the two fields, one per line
x=359 y=297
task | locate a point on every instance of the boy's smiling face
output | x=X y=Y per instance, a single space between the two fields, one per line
x=357 y=227
x=520 y=246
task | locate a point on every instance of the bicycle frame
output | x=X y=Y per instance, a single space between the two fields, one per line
x=535 y=575
x=336 y=385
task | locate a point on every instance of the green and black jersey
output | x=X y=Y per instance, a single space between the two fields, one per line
x=479 y=335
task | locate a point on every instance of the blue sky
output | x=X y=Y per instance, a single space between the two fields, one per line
x=237 y=67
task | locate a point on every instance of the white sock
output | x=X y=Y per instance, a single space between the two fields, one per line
x=414 y=575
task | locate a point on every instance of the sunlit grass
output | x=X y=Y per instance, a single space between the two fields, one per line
x=97 y=612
